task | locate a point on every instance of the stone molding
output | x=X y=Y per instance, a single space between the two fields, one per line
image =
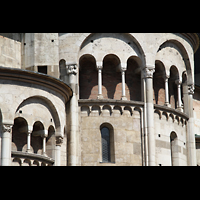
x=131 y=105
x=37 y=79
x=32 y=156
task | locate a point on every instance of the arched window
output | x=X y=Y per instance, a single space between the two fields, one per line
x=105 y=141
x=174 y=149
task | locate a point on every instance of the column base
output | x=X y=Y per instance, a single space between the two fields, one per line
x=168 y=105
x=180 y=109
x=28 y=151
x=100 y=96
x=124 y=98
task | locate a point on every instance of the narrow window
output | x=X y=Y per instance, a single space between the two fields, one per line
x=105 y=140
x=174 y=149
x=42 y=69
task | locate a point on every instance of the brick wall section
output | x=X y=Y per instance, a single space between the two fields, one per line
x=159 y=91
x=112 y=82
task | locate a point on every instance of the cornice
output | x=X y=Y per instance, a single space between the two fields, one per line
x=38 y=79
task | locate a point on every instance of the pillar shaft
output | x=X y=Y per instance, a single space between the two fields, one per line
x=178 y=82
x=166 y=91
x=30 y=129
x=6 y=145
x=99 y=68
x=191 y=146
x=73 y=141
x=148 y=76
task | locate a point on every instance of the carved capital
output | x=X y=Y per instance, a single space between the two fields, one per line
x=178 y=82
x=72 y=69
x=148 y=72
x=7 y=128
x=30 y=130
x=123 y=67
x=99 y=67
x=59 y=140
x=191 y=89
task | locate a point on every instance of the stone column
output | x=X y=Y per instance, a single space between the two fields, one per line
x=99 y=68
x=6 y=144
x=44 y=136
x=59 y=141
x=73 y=128
x=30 y=129
x=178 y=83
x=148 y=76
x=123 y=69
x=191 y=144
x=166 y=77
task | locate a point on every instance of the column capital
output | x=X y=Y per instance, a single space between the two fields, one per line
x=191 y=89
x=147 y=72
x=30 y=130
x=178 y=82
x=59 y=140
x=72 y=68
x=99 y=65
x=123 y=67
x=7 y=128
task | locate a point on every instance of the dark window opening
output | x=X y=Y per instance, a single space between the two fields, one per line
x=105 y=139
x=42 y=69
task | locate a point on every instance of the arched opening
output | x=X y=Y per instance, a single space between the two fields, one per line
x=62 y=69
x=36 y=137
x=183 y=53
x=19 y=134
x=159 y=83
x=111 y=77
x=50 y=142
x=184 y=91
x=174 y=149
x=133 y=79
x=173 y=92
x=88 y=77
x=107 y=143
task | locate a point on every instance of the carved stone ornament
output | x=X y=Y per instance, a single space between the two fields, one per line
x=72 y=69
x=148 y=72
x=59 y=141
x=191 y=89
x=99 y=67
x=7 y=128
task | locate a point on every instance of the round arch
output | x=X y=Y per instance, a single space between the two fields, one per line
x=182 y=50
x=134 y=47
x=47 y=103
